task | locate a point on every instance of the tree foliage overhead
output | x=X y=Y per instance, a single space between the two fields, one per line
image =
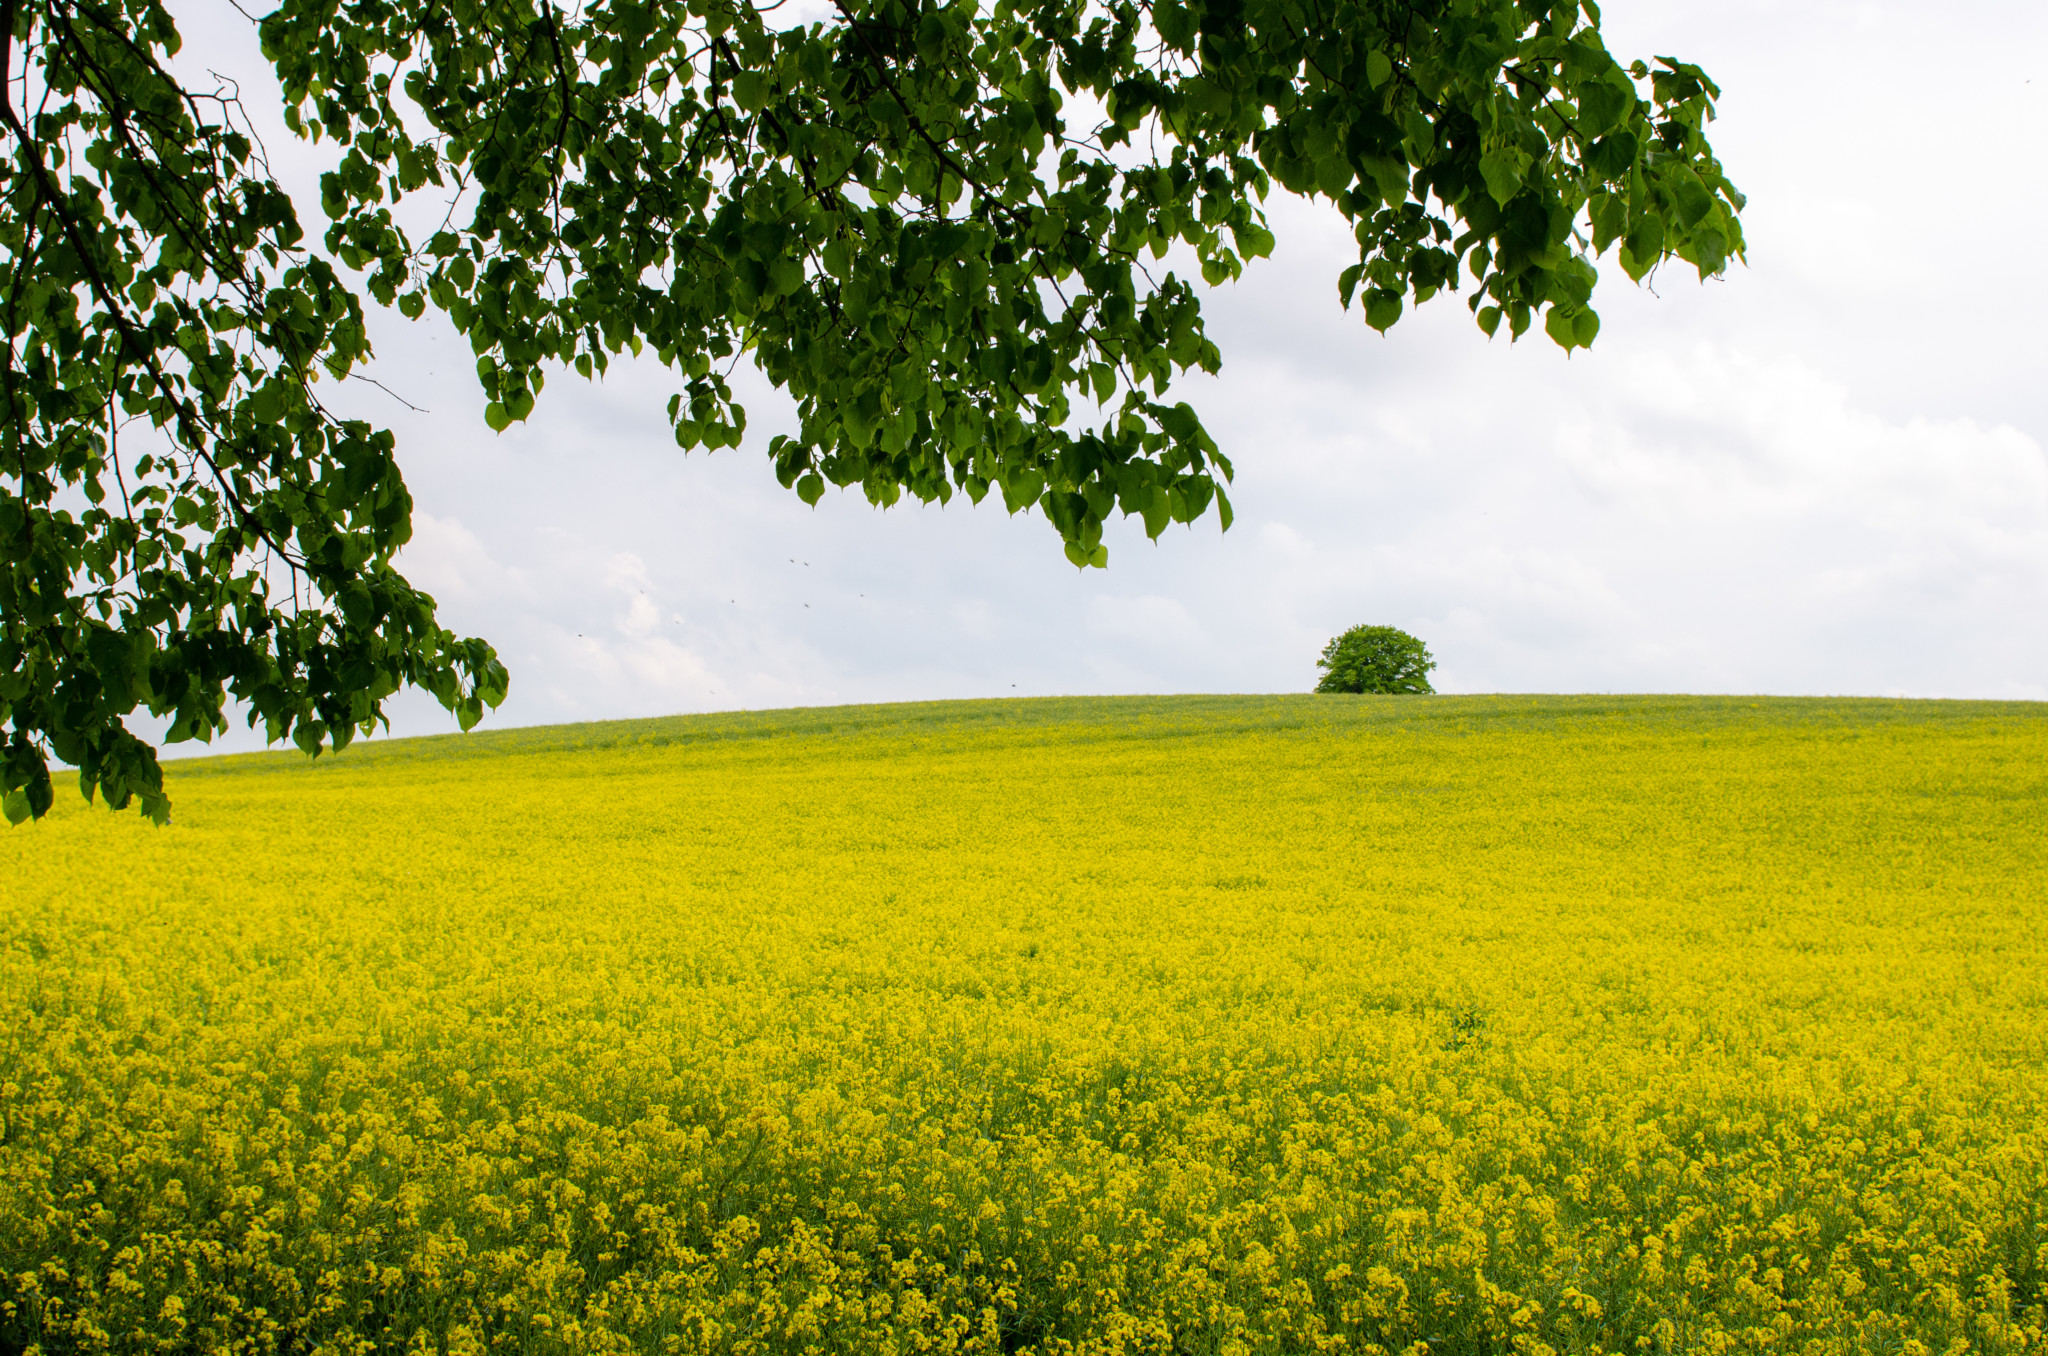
x=947 y=229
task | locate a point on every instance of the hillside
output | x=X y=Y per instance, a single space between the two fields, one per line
x=1127 y=1024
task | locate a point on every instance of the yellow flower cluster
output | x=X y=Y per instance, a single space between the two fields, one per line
x=1324 y=1024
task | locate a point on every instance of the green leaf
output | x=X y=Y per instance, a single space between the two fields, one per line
x=1575 y=278
x=1253 y=241
x=1156 y=510
x=1382 y=308
x=1180 y=422
x=1601 y=105
x=1694 y=201
x=1612 y=157
x=266 y=403
x=1333 y=175
x=1378 y=68
x=811 y=488
x=1421 y=133
x=931 y=36
x=1643 y=247
x=1561 y=324
x=496 y=417
x=1175 y=22
x=786 y=275
x=1101 y=498
x=1502 y=168
x=15 y=805
x=749 y=91
x=1709 y=251
x=1610 y=220
x=1022 y=487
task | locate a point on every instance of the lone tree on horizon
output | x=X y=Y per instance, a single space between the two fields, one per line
x=891 y=214
x=1377 y=659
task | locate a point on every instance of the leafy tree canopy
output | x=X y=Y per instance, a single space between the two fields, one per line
x=944 y=228
x=1380 y=659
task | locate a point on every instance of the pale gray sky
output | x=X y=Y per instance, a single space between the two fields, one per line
x=1824 y=474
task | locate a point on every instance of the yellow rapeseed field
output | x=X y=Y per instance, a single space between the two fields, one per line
x=1223 y=1025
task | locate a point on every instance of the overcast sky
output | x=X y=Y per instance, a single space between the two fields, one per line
x=1823 y=474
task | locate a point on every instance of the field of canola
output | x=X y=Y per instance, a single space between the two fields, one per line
x=1190 y=1025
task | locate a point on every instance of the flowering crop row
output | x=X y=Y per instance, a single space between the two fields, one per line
x=1361 y=1025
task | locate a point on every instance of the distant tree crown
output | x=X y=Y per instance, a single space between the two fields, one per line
x=1375 y=659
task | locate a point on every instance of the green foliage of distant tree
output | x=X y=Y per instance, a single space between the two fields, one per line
x=895 y=215
x=1375 y=659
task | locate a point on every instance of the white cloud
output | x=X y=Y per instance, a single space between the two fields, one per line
x=1149 y=620
x=1284 y=542
x=973 y=619
x=627 y=574
x=449 y=561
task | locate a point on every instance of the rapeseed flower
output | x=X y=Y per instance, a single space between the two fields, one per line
x=1234 y=1025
